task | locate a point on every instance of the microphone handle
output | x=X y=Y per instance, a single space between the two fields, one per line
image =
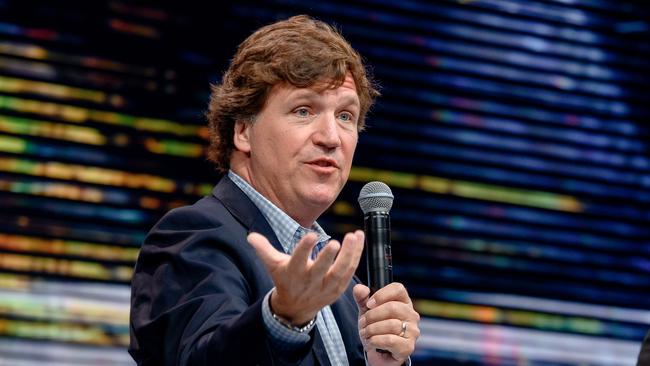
x=379 y=257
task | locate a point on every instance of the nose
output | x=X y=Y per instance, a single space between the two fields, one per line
x=326 y=132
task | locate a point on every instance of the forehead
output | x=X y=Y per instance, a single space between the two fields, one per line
x=347 y=90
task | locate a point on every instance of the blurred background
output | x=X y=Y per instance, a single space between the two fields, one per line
x=513 y=133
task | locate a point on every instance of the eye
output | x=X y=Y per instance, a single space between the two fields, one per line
x=346 y=117
x=301 y=112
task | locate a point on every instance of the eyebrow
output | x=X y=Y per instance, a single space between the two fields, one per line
x=307 y=93
x=304 y=93
x=351 y=100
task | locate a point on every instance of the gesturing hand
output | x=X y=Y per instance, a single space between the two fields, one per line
x=387 y=321
x=303 y=286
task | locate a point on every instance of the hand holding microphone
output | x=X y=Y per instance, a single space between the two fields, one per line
x=388 y=324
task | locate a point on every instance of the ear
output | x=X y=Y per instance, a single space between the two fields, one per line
x=241 y=137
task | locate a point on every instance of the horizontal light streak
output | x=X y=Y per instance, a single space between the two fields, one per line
x=52 y=130
x=18 y=145
x=96 y=78
x=35 y=52
x=76 y=114
x=549 y=99
x=545 y=182
x=132 y=28
x=529 y=247
x=510 y=280
x=613 y=313
x=541 y=260
x=62 y=190
x=454 y=30
x=138 y=11
x=87 y=174
x=107 y=292
x=571 y=120
x=524 y=345
x=53 y=307
x=20 y=352
x=103 y=214
x=65 y=267
x=173 y=147
x=517 y=56
x=63 y=332
x=513 y=154
x=450 y=64
x=113 y=196
x=441 y=205
x=52 y=90
x=522 y=318
x=457 y=140
x=39 y=33
x=58 y=227
x=62 y=247
x=468 y=189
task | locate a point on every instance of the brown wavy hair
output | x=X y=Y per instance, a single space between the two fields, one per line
x=301 y=51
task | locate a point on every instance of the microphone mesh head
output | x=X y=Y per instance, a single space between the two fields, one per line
x=375 y=196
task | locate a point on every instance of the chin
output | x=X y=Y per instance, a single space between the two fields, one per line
x=324 y=201
x=323 y=197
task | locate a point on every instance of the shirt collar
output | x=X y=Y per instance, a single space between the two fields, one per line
x=287 y=230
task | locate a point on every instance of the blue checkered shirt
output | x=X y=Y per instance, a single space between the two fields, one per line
x=289 y=233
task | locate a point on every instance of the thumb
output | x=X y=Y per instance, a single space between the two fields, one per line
x=267 y=253
x=361 y=294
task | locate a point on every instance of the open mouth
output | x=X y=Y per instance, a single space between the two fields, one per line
x=325 y=163
x=322 y=163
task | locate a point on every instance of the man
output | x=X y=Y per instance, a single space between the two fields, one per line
x=246 y=276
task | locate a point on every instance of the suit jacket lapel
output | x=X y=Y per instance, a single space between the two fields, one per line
x=243 y=209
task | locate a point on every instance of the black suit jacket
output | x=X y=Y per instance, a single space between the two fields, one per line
x=198 y=286
x=644 y=354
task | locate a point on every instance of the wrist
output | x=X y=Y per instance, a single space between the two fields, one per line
x=289 y=316
x=302 y=328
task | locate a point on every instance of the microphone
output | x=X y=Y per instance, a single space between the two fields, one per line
x=376 y=200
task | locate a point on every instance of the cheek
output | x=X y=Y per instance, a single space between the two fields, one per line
x=290 y=141
x=349 y=148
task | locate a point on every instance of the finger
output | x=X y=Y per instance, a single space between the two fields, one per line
x=267 y=253
x=388 y=326
x=302 y=253
x=348 y=259
x=391 y=310
x=325 y=259
x=394 y=291
x=340 y=273
x=399 y=347
x=361 y=293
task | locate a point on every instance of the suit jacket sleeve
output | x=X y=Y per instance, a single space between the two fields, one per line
x=197 y=292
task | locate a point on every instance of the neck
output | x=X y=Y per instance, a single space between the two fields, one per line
x=307 y=215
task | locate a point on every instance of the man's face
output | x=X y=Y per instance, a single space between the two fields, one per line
x=301 y=147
